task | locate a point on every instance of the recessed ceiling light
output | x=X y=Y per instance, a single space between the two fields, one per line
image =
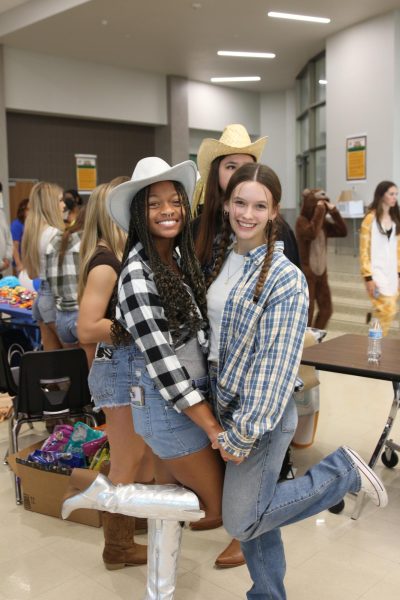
x=246 y=54
x=279 y=15
x=226 y=79
x=104 y=22
x=322 y=81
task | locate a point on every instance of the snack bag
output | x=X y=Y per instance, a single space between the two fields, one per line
x=82 y=434
x=59 y=439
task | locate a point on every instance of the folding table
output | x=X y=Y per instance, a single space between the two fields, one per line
x=347 y=354
x=21 y=318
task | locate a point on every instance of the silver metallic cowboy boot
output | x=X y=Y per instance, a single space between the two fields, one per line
x=164 y=543
x=171 y=502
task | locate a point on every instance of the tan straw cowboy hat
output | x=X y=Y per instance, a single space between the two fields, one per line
x=234 y=140
x=147 y=171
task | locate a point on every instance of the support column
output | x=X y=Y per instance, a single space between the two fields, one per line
x=172 y=140
x=3 y=137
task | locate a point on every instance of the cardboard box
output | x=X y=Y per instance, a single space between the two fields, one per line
x=351 y=208
x=43 y=491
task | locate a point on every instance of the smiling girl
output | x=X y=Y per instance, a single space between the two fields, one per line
x=258 y=305
x=161 y=316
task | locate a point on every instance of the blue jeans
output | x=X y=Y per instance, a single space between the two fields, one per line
x=112 y=375
x=66 y=326
x=44 y=307
x=255 y=518
x=168 y=433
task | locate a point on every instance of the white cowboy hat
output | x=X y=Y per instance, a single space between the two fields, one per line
x=147 y=171
x=234 y=140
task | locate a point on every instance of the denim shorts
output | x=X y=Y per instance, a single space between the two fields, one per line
x=112 y=375
x=44 y=308
x=66 y=326
x=168 y=433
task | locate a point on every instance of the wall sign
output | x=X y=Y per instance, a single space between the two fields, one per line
x=86 y=172
x=356 y=157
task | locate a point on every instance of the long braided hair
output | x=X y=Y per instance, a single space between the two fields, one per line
x=269 y=179
x=180 y=309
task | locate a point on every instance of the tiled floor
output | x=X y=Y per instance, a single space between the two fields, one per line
x=329 y=557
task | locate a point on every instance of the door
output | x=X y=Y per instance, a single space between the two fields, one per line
x=18 y=190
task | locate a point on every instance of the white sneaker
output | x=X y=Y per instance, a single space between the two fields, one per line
x=370 y=482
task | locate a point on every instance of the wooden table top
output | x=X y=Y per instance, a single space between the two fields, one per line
x=348 y=354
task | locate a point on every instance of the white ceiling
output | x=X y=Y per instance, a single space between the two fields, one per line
x=181 y=37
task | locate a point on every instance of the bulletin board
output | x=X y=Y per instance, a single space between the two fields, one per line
x=356 y=158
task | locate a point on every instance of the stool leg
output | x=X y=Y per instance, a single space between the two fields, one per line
x=164 y=539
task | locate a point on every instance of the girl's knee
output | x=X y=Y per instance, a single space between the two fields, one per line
x=238 y=528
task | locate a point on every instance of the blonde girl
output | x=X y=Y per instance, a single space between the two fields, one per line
x=102 y=246
x=43 y=222
x=100 y=235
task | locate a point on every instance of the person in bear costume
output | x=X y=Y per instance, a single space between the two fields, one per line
x=318 y=220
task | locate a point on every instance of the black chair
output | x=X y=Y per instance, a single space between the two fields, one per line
x=52 y=385
x=8 y=384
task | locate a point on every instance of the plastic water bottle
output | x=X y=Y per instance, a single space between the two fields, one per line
x=374 y=341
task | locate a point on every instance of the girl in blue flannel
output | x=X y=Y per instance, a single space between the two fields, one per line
x=257 y=309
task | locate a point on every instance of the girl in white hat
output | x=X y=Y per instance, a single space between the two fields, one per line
x=161 y=315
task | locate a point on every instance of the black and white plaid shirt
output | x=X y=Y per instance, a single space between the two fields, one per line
x=139 y=310
x=63 y=280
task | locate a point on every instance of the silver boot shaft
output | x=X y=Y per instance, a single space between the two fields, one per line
x=164 y=542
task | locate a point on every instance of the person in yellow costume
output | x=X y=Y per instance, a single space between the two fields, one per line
x=380 y=253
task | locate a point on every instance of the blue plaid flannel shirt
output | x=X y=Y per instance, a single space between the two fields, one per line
x=139 y=310
x=259 y=350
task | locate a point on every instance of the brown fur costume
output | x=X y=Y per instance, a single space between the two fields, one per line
x=313 y=227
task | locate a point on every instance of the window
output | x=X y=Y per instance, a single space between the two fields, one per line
x=311 y=124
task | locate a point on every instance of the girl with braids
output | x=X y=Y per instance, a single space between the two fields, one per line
x=217 y=161
x=380 y=253
x=258 y=306
x=161 y=317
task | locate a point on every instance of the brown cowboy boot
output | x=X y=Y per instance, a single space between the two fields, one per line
x=120 y=549
x=140 y=524
x=231 y=557
x=206 y=523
